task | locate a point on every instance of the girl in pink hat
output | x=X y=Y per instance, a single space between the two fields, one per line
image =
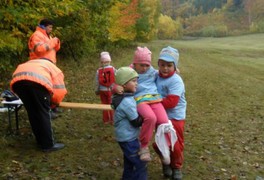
x=148 y=102
x=105 y=78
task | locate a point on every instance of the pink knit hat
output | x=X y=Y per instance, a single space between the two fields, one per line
x=142 y=56
x=105 y=57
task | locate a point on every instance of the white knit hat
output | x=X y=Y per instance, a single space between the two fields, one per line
x=105 y=57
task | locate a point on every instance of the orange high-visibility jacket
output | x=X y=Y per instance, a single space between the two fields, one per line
x=41 y=45
x=44 y=73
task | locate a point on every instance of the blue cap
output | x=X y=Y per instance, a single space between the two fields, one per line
x=169 y=54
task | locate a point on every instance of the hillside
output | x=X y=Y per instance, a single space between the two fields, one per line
x=224 y=125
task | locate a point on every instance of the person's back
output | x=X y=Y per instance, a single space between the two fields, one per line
x=40 y=83
x=44 y=73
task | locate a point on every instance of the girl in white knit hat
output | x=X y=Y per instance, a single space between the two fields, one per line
x=105 y=78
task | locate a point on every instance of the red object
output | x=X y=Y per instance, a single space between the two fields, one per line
x=106 y=76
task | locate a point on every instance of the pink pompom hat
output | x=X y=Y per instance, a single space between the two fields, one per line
x=142 y=56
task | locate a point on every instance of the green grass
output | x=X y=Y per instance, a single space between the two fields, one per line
x=224 y=136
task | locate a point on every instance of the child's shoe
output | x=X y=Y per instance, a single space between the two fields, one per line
x=144 y=154
x=167 y=171
x=177 y=174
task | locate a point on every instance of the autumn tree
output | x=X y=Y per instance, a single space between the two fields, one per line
x=146 y=24
x=122 y=21
x=18 y=21
x=168 y=28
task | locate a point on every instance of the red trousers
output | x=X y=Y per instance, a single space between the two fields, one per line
x=177 y=154
x=105 y=97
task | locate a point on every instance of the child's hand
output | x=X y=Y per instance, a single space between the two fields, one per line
x=177 y=71
x=117 y=89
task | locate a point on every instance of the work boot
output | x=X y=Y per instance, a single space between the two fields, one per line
x=57 y=110
x=53 y=115
x=55 y=147
x=177 y=174
x=167 y=171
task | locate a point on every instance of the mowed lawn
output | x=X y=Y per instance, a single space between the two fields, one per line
x=224 y=132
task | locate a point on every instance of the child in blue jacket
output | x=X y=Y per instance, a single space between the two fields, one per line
x=126 y=123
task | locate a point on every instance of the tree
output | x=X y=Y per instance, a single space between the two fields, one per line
x=122 y=21
x=147 y=22
x=168 y=28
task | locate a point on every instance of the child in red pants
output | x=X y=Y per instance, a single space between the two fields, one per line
x=105 y=78
x=171 y=87
x=149 y=104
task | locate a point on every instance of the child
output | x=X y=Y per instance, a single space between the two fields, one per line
x=105 y=77
x=148 y=102
x=170 y=85
x=127 y=123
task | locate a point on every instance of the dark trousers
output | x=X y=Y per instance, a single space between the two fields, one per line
x=36 y=100
x=134 y=168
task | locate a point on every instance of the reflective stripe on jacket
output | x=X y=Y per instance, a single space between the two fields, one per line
x=44 y=73
x=43 y=46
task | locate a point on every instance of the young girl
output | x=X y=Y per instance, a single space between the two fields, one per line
x=148 y=101
x=170 y=85
x=127 y=123
x=105 y=78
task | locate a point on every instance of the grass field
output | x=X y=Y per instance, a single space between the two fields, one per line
x=224 y=132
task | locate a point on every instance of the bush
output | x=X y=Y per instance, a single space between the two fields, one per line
x=257 y=27
x=214 y=31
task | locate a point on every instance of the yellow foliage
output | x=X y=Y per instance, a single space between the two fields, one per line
x=122 y=21
x=168 y=28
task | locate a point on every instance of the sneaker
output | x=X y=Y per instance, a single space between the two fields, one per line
x=144 y=154
x=55 y=147
x=167 y=171
x=177 y=174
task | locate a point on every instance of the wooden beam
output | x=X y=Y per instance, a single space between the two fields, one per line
x=85 y=106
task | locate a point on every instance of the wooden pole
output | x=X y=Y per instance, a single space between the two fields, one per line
x=85 y=106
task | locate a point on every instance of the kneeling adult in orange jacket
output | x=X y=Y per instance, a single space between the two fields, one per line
x=39 y=83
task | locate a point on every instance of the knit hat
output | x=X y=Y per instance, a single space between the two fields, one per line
x=142 y=56
x=125 y=74
x=169 y=54
x=105 y=57
x=46 y=22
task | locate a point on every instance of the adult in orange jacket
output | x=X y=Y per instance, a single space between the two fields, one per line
x=39 y=83
x=41 y=44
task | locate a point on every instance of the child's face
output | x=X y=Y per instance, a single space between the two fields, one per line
x=141 y=68
x=166 y=68
x=105 y=63
x=131 y=86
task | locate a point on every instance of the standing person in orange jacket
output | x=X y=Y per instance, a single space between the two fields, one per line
x=41 y=44
x=39 y=83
